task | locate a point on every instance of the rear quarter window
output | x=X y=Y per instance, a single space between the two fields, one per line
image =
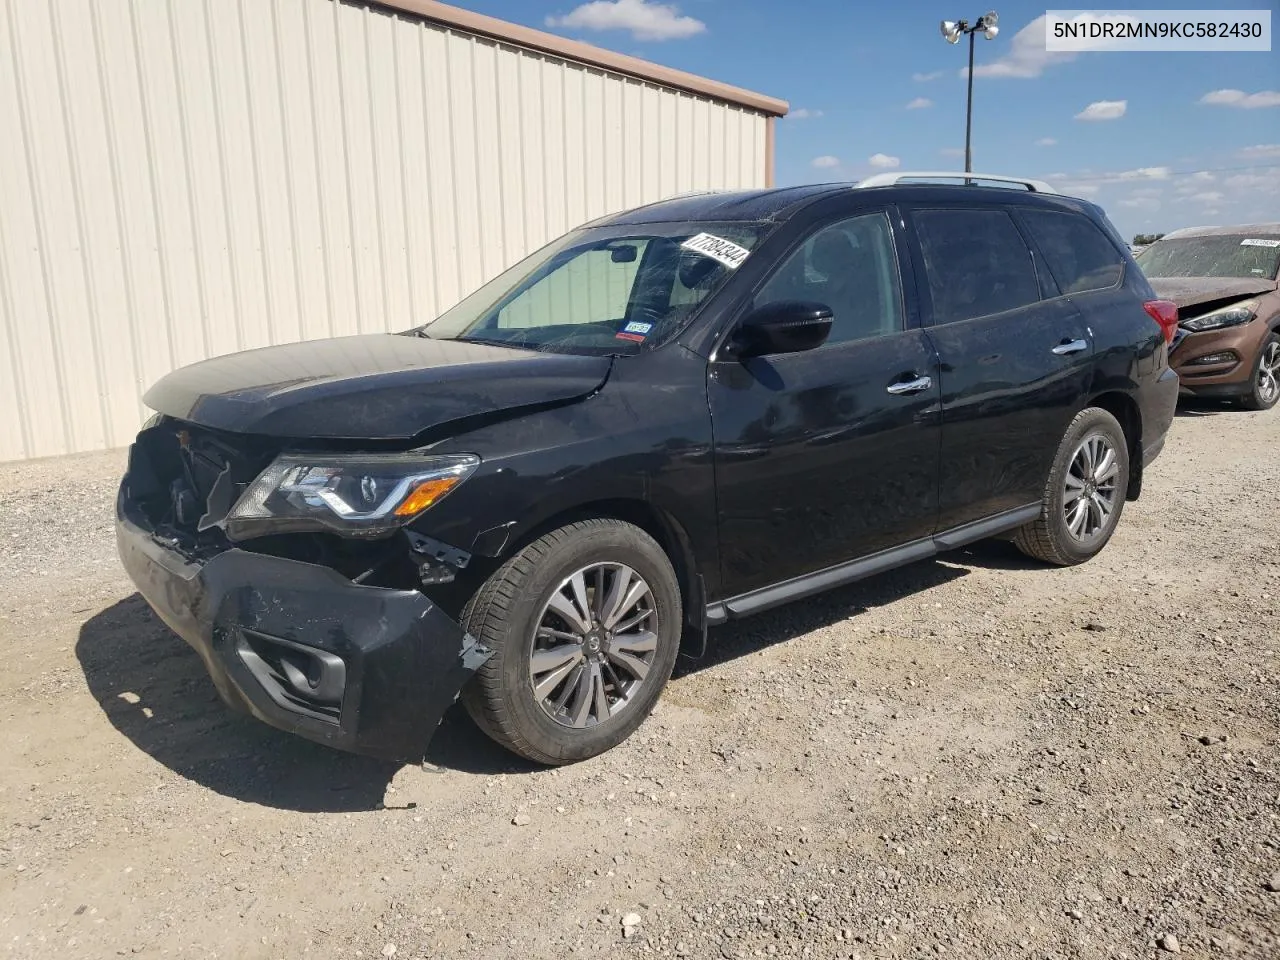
x=977 y=263
x=1077 y=252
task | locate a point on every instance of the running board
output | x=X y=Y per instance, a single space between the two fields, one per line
x=811 y=583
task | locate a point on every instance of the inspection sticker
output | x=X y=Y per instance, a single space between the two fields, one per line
x=635 y=331
x=717 y=248
x=1260 y=243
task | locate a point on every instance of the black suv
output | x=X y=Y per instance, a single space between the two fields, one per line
x=667 y=419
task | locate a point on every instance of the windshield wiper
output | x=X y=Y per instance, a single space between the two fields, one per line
x=494 y=342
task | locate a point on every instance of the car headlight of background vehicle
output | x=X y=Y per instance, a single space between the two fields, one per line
x=1231 y=316
x=357 y=495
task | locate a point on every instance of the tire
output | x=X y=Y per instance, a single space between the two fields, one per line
x=1051 y=537
x=526 y=596
x=1264 y=385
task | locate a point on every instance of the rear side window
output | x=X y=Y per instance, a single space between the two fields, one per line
x=977 y=263
x=1079 y=255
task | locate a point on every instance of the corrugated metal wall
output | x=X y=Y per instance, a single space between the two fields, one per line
x=186 y=178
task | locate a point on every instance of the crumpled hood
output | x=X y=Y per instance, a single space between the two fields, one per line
x=369 y=387
x=1190 y=291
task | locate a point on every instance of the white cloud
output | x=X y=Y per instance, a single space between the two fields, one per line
x=1209 y=196
x=882 y=161
x=1144 y=173
x=1104 y=110
x=1204 y=176
x=1046 y=142
x=825 y=162
x=1261 y=151
x=1088 y=183
x=1251 y=183
x=1194 y=182
x=1141 y=203
x=804 y=113
x=926 y=77
x=920 y=103
x=951 y=152
x=1027 y=56
x=1116 y=176
x=1242 y=100
x=1072 y=187
x=643 y=19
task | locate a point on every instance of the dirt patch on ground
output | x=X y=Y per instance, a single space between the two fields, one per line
x=974 y=756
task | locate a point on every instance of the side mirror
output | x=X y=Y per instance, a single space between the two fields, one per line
x=787 y=326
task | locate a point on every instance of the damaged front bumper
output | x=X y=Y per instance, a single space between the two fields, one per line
x=366 y=669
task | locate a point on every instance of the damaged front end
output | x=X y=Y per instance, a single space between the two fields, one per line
x=320 y=633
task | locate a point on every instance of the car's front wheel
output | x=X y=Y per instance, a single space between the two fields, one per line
x=1264 y=388
x=1084 y=495
x=584 y=623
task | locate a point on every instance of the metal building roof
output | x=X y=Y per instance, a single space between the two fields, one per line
x=521 y=36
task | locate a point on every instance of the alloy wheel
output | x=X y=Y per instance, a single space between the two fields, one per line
x=1090 y=487
x=1269 y=373
x=593 y=645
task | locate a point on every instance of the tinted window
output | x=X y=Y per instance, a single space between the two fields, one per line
x=976 y=261
x=849 y=266
x=1079 y=255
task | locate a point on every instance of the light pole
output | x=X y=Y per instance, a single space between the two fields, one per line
x=952 y=32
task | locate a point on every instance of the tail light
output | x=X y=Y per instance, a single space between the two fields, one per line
x=1165 y=313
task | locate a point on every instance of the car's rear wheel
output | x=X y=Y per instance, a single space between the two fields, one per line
x=1084 y=495
x=585 y=626
x=1264 y=388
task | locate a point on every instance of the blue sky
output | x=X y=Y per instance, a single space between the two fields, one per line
x=1179 y=139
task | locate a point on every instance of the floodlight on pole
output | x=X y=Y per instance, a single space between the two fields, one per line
x=952 y=31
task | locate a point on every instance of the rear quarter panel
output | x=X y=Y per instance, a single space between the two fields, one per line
x=1130 y=352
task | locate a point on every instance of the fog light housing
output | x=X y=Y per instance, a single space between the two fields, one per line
x=301 y=679
x=1225 y=356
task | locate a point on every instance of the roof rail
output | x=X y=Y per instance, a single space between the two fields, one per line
x=889 y=179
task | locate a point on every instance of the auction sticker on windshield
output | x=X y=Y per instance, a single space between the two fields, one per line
x=717 y=248
x=1260 y=243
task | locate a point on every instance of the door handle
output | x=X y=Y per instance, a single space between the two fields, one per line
x=1070 y=347
x=903 y=387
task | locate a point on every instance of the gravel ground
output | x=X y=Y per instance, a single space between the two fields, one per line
x=974 y=757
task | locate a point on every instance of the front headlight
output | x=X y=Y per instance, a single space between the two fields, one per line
x=366 y=495
x=1231 y=316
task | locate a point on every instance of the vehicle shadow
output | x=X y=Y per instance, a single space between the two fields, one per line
x=1205 y=407
x=153 y=689
x=741 y=638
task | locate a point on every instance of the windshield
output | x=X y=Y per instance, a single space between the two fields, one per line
x=1216 y=256
x=604 y=290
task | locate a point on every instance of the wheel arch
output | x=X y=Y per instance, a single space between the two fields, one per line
x=1125 y=409
x=670 y=535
